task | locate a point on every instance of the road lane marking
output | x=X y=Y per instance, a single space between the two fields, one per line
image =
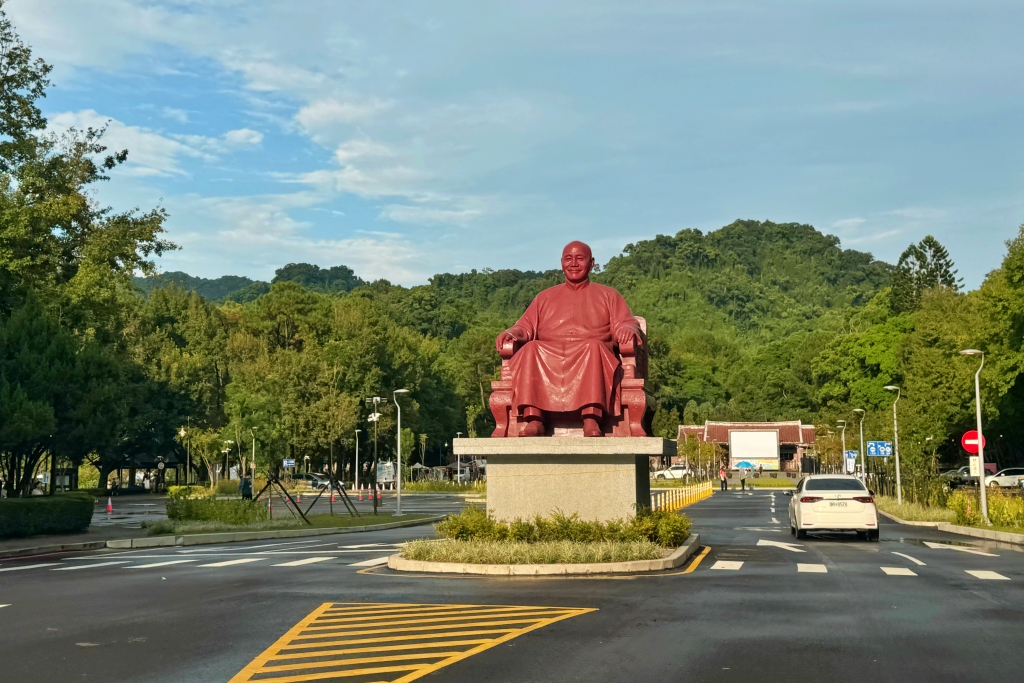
x=28 y=566
x=157 y=564
x=392 y=652
x=897 y=571
x=811 y=568
x=370 y=563
x=791 y=547
x=728 y=565
x=775 y=521
x=987 y=575
x=89 y=566
x=299 y=563
x=697 y=561
x=963 y=549
x=912 y=559
x=228 y=563
x=7 y=605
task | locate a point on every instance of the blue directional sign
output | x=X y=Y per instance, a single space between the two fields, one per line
x=879 y=449
x=288 y=462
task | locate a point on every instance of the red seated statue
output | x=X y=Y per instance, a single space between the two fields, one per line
x=560 y=366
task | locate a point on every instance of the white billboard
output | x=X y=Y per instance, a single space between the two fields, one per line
x=751 y=449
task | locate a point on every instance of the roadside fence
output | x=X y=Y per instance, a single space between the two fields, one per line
x=677 y=498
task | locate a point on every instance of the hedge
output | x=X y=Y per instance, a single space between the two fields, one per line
x=212 y=510
x=61 y=514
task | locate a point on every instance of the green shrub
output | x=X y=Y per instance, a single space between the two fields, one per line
x=183 y=492
x=227 y=487
x=213 y=510
x=444 y=486
x=1003 y=510
x=542 y=552
x=667 y=529
x=61 y=514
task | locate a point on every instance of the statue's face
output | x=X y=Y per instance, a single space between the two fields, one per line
x=577 y=261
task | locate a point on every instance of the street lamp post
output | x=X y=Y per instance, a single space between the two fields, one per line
x=398 y=463
x=981 y=437
x=842 y=425
x=863 y=469
x=375 y=418
x=896 y=442
x=356 y=484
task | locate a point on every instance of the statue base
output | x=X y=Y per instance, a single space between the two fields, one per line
x=597 y=478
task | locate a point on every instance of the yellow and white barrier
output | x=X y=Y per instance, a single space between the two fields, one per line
x=678 y=498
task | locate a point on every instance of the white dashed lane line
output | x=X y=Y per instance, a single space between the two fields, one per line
x=228 y=563
x=299 y=563
x=987 y=575
x=811 y=568
x=157 y=564
x=89 y=566
x=897 y=571
x=370 y=563
x=725 y=564
x=912 y=559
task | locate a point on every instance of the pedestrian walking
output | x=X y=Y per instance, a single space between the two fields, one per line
x=722 y=478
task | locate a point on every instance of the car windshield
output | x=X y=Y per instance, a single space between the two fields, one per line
x=835 y=484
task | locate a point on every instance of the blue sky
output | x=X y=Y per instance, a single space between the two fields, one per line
x=405 y=139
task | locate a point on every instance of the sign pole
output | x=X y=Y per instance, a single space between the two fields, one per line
x=981 y=444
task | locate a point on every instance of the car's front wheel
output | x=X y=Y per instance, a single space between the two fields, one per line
x=993 y=485
x=660 y=476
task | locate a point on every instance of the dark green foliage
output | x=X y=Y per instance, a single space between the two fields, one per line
x=221 y=288
x=61 y=514
x=667 y=529
x=922 y=266
x=326 y=281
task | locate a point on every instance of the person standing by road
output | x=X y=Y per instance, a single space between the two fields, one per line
x=722 y=477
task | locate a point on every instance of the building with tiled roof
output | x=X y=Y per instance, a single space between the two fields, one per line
x=795 y=439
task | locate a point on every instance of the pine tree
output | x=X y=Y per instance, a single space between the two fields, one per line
x=922 y=266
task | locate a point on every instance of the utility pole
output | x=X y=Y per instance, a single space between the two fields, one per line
x=458 y=461
x=398 y=463
x=356 y=484
x=375 y=419
x=842 y=425
x=981 y=436
x=863 y=468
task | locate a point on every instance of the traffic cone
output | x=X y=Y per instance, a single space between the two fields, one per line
x=110 y=505
x=378 y=493
x=298 y=497
x=360 y=493
x=332 y=496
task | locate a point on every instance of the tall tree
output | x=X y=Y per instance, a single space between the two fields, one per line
x=922 y=266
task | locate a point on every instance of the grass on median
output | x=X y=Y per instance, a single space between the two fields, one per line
x=444 y=487
x=914 y=512
x=170 y=527
x=544 y=552
x=770 y=483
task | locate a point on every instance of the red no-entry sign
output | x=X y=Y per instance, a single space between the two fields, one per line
x=970 y=441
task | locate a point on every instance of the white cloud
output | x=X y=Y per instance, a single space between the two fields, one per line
x=320 y=119
x=242 y=138
x=179 y=115
x=422 y=215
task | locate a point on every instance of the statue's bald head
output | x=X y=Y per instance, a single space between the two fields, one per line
x=577 y=261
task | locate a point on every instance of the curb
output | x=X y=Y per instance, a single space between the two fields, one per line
x=908 y=523
x=678 y=557
x=1003 y=536
x=207 y=539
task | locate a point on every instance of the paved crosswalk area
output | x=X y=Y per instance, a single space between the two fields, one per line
x=750 y=538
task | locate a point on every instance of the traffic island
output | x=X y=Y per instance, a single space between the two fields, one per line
x=674 y=559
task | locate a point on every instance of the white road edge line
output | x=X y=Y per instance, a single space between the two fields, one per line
x=963 y=549
x=89 y=566
x=370 y=563
x=912 y=559
x=299 y=563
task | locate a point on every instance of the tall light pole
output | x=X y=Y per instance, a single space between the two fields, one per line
x=981 y=437
x=356 y=484
x=896 y=442
x=398 y=463
x=842 y=425
x=863 y=469
x=375 y=419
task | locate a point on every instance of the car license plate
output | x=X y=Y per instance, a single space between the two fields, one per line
x=838 y=504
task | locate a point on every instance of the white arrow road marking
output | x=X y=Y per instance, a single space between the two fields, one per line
x=28 y=566
x=991 y=576
x=774 y=521
x=791 y=547
x=963 y=549
x=811 y=568
x=228 y=563
x=156 y=564
x=89 y=566
x=370 y=563
x=912 y=559
x=897 y=571
x=308 y=560
x=725 y=564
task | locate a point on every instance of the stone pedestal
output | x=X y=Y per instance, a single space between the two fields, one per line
x=597 y=478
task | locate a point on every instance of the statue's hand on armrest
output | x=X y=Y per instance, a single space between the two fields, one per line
x=509 y=337
x=627 y=337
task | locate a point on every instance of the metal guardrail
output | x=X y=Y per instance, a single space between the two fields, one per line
x=678 y=498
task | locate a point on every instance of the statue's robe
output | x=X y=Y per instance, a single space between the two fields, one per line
x=569 y=360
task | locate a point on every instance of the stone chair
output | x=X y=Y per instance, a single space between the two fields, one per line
x=637 y=406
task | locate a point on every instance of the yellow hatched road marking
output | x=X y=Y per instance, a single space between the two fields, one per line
x=434 y=637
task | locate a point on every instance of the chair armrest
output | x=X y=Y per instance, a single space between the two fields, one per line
x=508 y=349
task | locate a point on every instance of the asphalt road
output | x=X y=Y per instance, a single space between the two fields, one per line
x=841 y=610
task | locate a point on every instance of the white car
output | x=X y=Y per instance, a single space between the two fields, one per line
x=832 y=502
x=674 y=472
x=1013 y=476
